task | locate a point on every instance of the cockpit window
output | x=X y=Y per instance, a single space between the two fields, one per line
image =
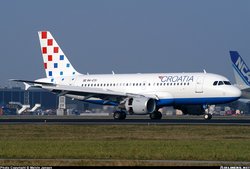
x=220 y=83
x=215 y=83
x=227 y=83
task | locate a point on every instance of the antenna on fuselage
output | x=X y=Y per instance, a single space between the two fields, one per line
x=113 y=72
x=204 y=71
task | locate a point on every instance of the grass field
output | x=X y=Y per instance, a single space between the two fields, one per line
x=121 y=142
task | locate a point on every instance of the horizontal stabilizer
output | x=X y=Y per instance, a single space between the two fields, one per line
x=32 y=82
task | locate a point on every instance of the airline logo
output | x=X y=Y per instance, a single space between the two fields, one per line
x=178 y=79
x=240 y=66
x=56 y=63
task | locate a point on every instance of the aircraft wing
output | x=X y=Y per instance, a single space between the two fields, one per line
x=246 y=89
x=32 y=82
x=244 y=101
x=86 y=92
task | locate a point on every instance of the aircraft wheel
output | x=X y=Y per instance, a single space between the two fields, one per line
x=119 y=115
x=207 y=116
x=155 y=115
x=123 y=115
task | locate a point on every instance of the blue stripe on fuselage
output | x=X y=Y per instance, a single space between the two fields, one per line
x=183 y=101
x=176 y=101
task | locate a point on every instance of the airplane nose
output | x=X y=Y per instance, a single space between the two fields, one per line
x=235 y=92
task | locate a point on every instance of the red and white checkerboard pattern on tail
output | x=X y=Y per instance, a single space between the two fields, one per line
x=56 y=64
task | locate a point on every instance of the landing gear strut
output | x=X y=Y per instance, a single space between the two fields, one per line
x=119 y=115
x=156 y=115
x=207 y=115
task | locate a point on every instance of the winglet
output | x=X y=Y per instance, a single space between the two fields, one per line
x=27 y=86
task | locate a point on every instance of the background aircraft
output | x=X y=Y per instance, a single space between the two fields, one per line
x=242 y=75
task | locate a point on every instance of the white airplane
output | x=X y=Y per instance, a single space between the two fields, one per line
x=141 y=94
x=242 y=75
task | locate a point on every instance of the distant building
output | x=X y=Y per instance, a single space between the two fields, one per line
x=48 y=100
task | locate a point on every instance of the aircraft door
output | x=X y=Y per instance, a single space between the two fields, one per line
x=199 y=85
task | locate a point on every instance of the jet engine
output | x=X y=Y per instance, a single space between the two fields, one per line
x=142 y=105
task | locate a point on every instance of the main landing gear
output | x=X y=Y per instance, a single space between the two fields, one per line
x=156 y=115
x=119 y=115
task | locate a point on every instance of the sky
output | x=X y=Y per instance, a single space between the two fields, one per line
x=124 y=36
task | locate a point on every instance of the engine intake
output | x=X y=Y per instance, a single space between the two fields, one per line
x=141 y=105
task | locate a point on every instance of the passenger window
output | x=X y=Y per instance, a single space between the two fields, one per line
x=220 y=83
x=215 y=83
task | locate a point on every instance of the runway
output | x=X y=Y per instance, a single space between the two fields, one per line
x=131 y=120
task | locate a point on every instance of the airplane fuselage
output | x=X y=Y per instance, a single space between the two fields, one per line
x=169 y=88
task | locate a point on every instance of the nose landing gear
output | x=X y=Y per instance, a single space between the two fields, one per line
x=208 y=116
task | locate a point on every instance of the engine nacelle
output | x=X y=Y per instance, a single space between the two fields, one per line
x=142 y=105
x=191 y=109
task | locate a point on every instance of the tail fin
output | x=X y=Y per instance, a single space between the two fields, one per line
x=241 y=71
x=56 y=64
